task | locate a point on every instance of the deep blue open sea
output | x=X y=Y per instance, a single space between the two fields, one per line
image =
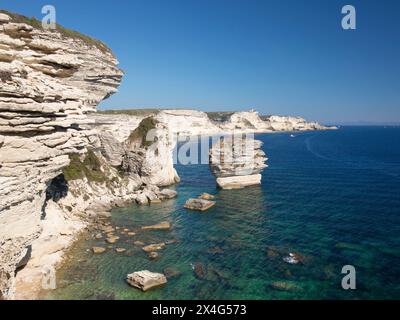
x=332 y=196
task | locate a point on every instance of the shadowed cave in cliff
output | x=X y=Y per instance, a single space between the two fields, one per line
x=57 y=189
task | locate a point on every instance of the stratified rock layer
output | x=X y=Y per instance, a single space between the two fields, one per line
x=48 y=82
x=237 y=161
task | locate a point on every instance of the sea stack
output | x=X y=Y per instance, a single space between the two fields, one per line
x=237 y=161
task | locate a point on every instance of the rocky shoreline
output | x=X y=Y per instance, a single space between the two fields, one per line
x=62 y=169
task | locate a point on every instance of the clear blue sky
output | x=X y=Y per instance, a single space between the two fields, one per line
x=280 y=57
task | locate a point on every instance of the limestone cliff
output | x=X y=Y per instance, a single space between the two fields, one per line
x=49 y=81
x=185 y=122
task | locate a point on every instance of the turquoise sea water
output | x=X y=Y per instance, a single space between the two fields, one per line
x=332 y=196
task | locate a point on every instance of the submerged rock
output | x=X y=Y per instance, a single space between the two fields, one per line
x=215 y=250
x=112 y=239
x=167 y=194
x=146 y=280
x=154 y=247
x=294 y=258
x=171 y=273
x=165 y=225
x=271 y=253
x=120 y=250
x=98 y=249
x=199 y=270
x=199 y=204
x=107 y=229
x=206 y=196
x=153 y=255
x=285 y=286
x=138 y=243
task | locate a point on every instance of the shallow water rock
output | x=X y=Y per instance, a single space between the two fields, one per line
x=206 y=196
x=285 y=286
x=295 y=258
x=272 y=253
x=219 y=274
x=107 y=229
x=199 y=204
x=131 y=234
x=172 y=241
x=199 y=270
x=171 y=272
x=98 y=249
x=153 y=255
x=112 y=239
x=138 y=243
x=154 y=247
x=120 y=250
x=215 y=250
x=167 y=194
x=164 y=225
x=146 y=280
x=349 y=246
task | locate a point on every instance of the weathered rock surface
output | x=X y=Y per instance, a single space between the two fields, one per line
x=285 y=286
x=171 y=272
x=206 y=196
x=98 y=249
x=48 y=82
x=153 y=255
x=146 y=280
x=154 y=247
x=237 y=161
x=200 y=271
x=199 y=204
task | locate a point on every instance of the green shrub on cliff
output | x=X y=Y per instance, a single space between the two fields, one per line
x=90 y=168
x=140 y=133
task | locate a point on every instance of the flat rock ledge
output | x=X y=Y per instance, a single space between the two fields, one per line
x=238 y=182
x=146 y=280
x=165 y=225
x=199 y=204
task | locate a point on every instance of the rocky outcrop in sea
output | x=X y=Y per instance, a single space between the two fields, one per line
x=237 y=161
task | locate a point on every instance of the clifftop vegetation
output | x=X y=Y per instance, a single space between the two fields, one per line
x=37 y=24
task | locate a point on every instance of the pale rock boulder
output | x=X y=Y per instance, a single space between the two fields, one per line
x=146 y=280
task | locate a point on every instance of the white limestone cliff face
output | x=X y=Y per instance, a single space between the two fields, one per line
x=282 y=123
x=185 y=122
x=188 y=122
x=48 y=82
